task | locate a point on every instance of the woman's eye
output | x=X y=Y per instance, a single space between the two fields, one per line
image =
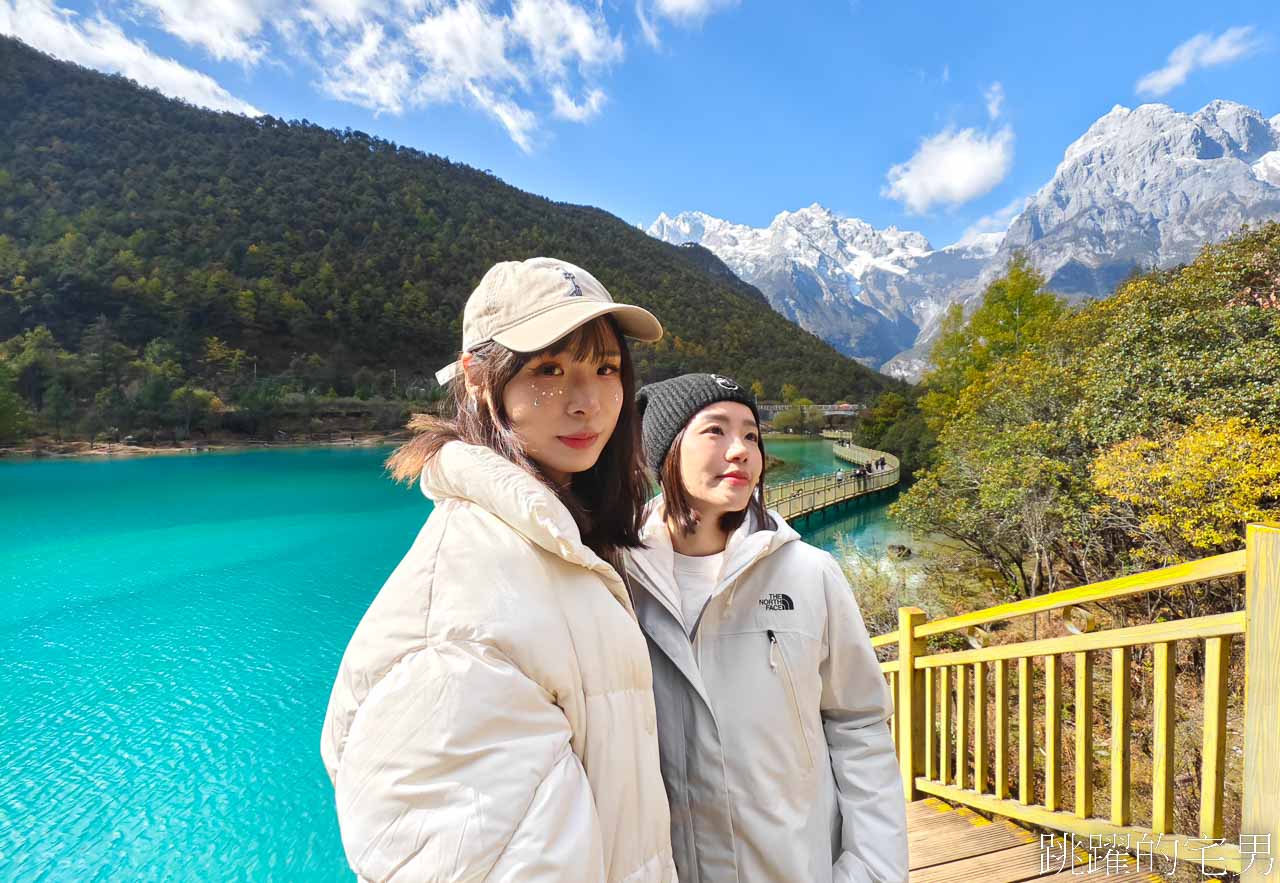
x=609 y=370
x=751 y=436
x=716 y=430
x=550 y=369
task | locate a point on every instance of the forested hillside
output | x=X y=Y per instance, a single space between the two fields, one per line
x=151 y=245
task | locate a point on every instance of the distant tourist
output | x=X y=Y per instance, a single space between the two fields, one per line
x=493 y=716
x=771 y=706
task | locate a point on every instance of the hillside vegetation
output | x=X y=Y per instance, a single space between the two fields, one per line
x=159 y=261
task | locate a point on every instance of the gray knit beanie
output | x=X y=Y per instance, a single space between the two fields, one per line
x=666 y=407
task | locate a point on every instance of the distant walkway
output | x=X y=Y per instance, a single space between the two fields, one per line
x=805 y=496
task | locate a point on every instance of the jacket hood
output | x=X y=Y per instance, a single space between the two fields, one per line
x=654 y=563
x=480 y=476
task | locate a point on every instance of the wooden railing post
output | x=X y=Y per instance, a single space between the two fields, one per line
x=910 y=699
x=1260 y=819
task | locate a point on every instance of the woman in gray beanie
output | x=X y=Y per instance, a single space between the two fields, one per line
x=772 y=710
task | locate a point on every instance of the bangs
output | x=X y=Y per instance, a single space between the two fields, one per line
x=594 y=342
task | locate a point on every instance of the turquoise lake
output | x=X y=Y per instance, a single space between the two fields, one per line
x=170 y=627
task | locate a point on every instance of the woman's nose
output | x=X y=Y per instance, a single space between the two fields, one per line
x=583 y=400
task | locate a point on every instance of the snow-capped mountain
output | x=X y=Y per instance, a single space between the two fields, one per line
x=868 y=292
x=1142 y=188
x=1148 y=188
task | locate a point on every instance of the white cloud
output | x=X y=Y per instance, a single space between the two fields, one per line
x=951 y=168
x=229 y=30
x=100 y=44
x=994 y=97
x=647 y=27
x=349 y=15
x=371 y=73
x=946 y=73
x=462 y=44
x=518 y=62
x=690 y=11
x=518 y=121
x=568 y=109
x=683 y=13
x=1201 y=51
x=558 y=33
x=996 y=222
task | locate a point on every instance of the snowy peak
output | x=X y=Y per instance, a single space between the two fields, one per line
x=1148 y=187
x=1143 y=187
x=867 y=291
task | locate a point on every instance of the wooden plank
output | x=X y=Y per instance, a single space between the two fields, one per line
x=1261 y=810
x=1052 y=731
x=1162 y=733
x=1121 y=732
x=1213 y=751
x=979 y=727
x=910 y=701
x=1026 y=768
x=930 y=726
x=1130 y=874
x=962 y=727
x=1002 y=728
x=944 y=696
x=947 y=842
x=1215 y=567
x=1224 y=856
x=1008 y=865
x=1027 y=862
x=1084 y=735
x=1159 y=632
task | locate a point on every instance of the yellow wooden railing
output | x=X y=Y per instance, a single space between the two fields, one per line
x=945 y=752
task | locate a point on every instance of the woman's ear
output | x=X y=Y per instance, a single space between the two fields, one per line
x=468 y=364
x=475 y=392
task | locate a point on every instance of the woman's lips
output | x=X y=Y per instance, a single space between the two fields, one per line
x=578 y=442
x=736 y=479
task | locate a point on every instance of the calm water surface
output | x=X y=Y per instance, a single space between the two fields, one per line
x=169 y=630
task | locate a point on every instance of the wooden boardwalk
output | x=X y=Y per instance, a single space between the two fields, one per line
x=806 y=496
x=953 y=844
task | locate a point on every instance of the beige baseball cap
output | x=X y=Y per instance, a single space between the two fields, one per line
x=528 y=305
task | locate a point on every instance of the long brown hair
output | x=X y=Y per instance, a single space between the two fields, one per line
x=607 y=500
x=675 y=497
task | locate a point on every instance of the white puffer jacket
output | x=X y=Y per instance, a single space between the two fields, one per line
x=493 y=716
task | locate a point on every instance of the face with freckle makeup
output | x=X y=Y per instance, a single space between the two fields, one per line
x=564 y=408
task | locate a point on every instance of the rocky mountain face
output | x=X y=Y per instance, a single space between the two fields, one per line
x=868 y=292
x=1141 y=189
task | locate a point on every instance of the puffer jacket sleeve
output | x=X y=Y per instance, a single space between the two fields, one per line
x=855 y=708
x=458 y=767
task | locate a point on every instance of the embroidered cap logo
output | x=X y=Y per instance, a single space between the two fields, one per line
x=575 y=291
x=724 y=382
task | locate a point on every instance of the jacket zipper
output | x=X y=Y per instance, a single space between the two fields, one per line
x=776 y=648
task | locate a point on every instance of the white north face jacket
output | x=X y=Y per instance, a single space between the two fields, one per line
x=776 y=754
x=493 y=716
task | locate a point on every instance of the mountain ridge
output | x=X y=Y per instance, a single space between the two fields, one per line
x=293 y=243
x=1141 y=188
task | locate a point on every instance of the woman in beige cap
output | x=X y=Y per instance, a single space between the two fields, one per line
x=493 y=715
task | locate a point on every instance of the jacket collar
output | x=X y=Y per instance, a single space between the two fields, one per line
x=750 y=543
x=477 y=475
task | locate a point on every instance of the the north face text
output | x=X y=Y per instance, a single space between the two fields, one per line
x=777 y=601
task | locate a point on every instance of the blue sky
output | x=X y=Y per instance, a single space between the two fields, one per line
x=934 y=116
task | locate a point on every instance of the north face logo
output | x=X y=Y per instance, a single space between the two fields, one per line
x=777 y=601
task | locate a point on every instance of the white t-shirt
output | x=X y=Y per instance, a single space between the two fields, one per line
x=696 y=577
